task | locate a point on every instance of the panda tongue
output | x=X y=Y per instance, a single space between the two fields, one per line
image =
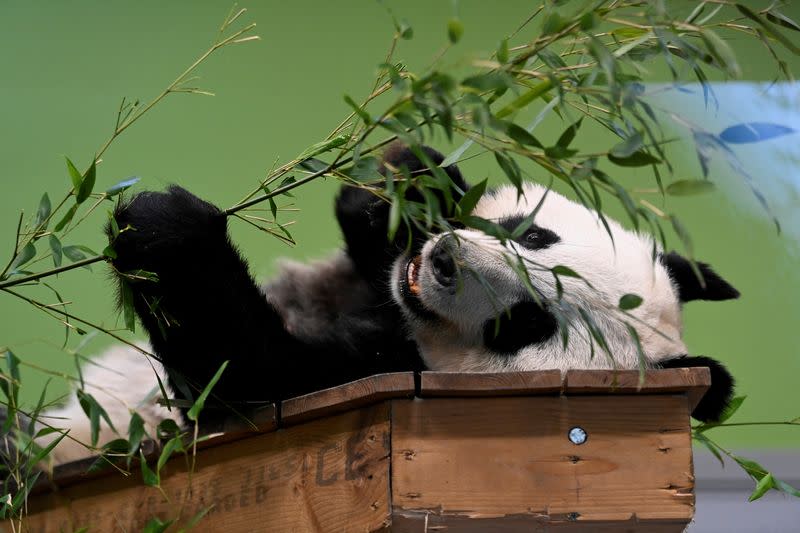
x=412 y=274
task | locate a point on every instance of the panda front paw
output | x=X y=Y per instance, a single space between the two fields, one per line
x=163 y=231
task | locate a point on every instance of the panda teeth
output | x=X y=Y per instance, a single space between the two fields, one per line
x=412 y=274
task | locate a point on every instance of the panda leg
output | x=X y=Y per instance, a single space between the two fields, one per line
x=719 y=394
x=204 y=308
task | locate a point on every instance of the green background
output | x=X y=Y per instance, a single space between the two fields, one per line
x=64 y=67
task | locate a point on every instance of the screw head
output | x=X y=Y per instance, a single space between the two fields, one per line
x=577 y=435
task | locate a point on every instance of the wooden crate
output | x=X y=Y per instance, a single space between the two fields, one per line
x=451 y=452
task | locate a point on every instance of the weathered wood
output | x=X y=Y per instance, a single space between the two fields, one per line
x=485 y=384
x=326 y=475
x=477 y=452
x=510 y=460
x=358 y=393
x=692 y=381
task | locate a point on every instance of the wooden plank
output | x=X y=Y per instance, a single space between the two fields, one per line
x=431 y=522
x=692 y=381
x=326 y=475
x=490 y=384
x=358 y=393
x=499 y=459
x=257 y=420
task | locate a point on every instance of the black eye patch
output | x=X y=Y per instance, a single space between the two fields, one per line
x=525 y=324
x=533 y=238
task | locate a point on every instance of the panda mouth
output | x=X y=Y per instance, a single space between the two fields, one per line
x=412 y=275
x=411 y=290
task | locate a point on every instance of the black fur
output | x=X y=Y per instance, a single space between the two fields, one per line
x=526 y=323
x=689 y=286
x=364 y=217
x=206 y=308
x=719 y=394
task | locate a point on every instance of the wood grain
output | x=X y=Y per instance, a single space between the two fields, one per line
x=493 y=458
x=692 y=381
x=486 y=384
x=325 y=475
x=358 y=393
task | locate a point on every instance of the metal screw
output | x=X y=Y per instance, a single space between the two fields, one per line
x=577 y=435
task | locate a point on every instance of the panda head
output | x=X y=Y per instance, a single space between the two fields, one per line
x=469 y=306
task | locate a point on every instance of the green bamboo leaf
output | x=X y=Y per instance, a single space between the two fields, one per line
x=87 y=185
x=455 y=29
x=67 y=218
x=135 y=433
x=324 y=146
x=502 y=51
x=55 y=248
x=733 y=406
x=568 y=135
x=629 y=146
x=630 y=301
x=42 y=213
x=689 y=187
x=27 y=253
x=779 y=18
x=166 y=452
x=702 y=439
x=764 y=484
x=511 y=170
x=768 y=28
x=553 y=23
x=562 y=270
x=471 y=198
x=525 y=98
x=44 y=452
x=522 y=136
x=194 y=412
x=721 y=52
x=150 y=478
x=74 y=175
x=636 y=159
x=395 y=212
x=358 y=110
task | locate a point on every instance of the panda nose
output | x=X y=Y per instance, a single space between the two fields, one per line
x=442 y=259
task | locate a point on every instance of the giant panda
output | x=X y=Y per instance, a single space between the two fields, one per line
x=443 y=301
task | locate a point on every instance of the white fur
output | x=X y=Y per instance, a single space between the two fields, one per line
x=122 y=381
x=612 y=270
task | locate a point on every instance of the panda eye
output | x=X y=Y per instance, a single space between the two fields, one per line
x=538 y=238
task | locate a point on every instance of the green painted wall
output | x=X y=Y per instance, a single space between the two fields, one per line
x=65 y=65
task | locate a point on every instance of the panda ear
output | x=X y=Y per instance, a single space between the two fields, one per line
x=718 y=396
x=398 y=155
x=712 y=287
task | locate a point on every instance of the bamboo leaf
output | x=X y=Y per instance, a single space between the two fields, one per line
x=67 y=218
x=199 y=403
x=87 y=184
x=55 y=249
x=150 y=478
x=769 y=29
x=135 y=433
x=74 y=175
x=630 y=301
x=764 y=484
x=27 y=253
x=122 y=185
x=636 y=159
x=628 y=147
x=471 y=198
x=42 y=213
x=689 y=187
